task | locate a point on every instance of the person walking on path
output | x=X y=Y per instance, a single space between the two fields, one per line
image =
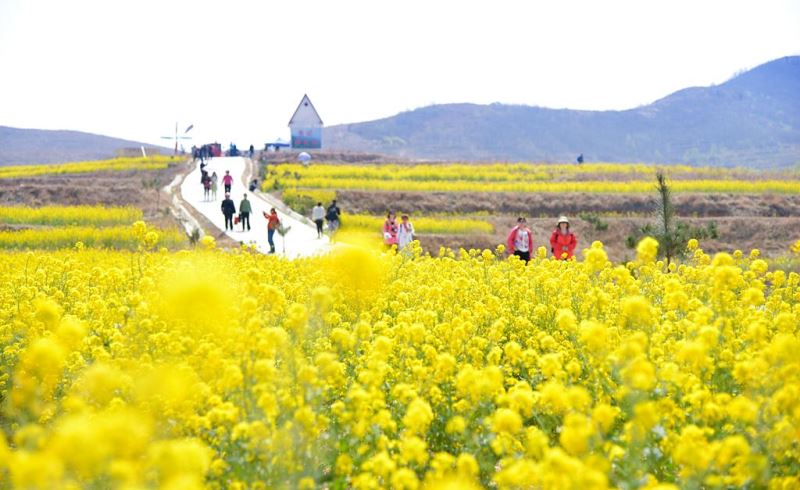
x=228 y=209
x=227 y=181
x=252 y=151
x=214 y=179
x=520 y=240
x=405 y=232
x=206 y=187
x=244 y=212
x=317 y=216
x=390 y=230
x=273 y=222
x=333 y=215
x=563 y=241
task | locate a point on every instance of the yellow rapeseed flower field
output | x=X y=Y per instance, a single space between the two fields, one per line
x=527 y=178
x=70 y=215
x=422 y=224
x=155 y=162
x=360 y=369
x=114 y=237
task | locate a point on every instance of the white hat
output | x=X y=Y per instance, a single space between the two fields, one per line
x=562 y=219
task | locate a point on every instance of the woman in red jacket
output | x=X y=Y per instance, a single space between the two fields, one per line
x=563 y=241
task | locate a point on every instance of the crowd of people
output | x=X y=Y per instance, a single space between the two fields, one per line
x=562 y=240
x=203 y=153
x=228 y=208
x=210 y=182
x=243 y=217
x=395 y=233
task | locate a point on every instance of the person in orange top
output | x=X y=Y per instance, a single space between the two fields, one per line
x=563 y=241
x=273 y=222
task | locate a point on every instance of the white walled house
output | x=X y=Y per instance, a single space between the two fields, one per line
x=306 y=126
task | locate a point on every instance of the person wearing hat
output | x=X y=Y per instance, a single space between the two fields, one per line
x=563 y=241
x=520 y=240
x=228 y=209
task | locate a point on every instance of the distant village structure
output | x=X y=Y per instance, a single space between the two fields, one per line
x=306 y=126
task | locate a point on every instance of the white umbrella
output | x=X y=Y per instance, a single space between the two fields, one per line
x=304 y=158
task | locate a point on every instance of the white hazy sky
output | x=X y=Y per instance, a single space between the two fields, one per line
x=237 y=69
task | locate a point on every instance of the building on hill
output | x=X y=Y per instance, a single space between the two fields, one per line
x=306 y=126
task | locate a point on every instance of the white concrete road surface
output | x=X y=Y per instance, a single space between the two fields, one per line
x=301 y=241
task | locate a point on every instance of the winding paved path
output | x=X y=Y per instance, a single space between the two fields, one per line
x=301 y=241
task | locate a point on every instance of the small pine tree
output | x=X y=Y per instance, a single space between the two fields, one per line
x=668 y=240
x=672 y=235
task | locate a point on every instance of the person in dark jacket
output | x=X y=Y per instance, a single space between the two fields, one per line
x=228 y=209
x=563 y=241
x=333 y=215
x=244 y=212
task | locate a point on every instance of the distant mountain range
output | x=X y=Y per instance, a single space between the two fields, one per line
x=19 y=146
x=751 y=120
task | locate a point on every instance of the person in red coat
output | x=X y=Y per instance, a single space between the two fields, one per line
x=520 y=240
x=563 y=241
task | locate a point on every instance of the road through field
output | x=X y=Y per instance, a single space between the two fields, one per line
x=301 y=241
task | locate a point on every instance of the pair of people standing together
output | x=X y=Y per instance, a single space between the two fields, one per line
x=562 y=240
x=400 y=234
x=332 y=214
x=229 y=209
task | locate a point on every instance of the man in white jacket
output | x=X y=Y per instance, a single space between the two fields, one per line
x=318 y=215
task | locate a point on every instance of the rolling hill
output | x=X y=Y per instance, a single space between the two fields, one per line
x=752 y=120
x=25 y=146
